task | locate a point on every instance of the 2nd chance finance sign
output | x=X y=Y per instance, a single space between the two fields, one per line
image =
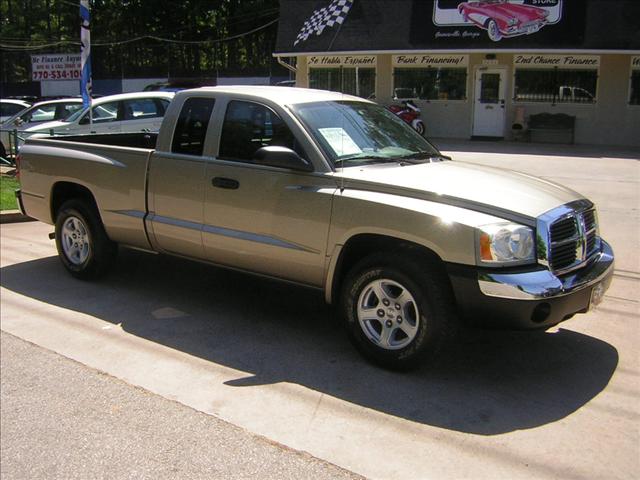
x=57 y=66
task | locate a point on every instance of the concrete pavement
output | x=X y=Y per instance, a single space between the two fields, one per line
x=270 y=358
x=61 y=419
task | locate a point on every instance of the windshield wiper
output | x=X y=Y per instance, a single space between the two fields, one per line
x=366 y=159
x=425 y=156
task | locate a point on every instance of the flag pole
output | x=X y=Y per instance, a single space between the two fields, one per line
x=85 y=56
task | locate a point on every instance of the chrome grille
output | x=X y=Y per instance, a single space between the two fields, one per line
x=572 y=238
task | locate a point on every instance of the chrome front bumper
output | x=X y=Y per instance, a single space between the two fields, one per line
x=543 y=284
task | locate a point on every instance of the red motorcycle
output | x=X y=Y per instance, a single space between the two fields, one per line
x=410 y=113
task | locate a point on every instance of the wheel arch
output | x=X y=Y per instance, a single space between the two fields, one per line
x=362 y=245
x=63 y=191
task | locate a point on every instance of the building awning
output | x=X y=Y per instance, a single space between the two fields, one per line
x=376 y=26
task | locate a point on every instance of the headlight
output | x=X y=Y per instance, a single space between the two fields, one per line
x=505 y=243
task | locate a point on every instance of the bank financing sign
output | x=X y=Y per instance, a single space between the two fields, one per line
x=499 y=19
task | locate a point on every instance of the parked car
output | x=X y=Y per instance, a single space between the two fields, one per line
x=127 y=112
x=501 y=18
x=36 y=114
x=295 y=184
x=9 y=107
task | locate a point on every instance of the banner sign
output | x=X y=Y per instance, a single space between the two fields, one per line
x=336 y=61
x=430 y=61
x=85 y=52
x=58 y=66
x=559 y=61
x=635 y=62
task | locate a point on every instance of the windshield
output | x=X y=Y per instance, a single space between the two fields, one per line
x=352 y=132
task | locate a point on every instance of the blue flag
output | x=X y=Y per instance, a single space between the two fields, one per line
x=85 y=53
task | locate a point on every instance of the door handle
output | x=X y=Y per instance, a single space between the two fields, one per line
x=228 y=183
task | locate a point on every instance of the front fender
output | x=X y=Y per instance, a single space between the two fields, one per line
x=446 y=230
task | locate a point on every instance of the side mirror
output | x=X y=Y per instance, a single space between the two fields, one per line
x=282 y=157
x=84 y=120
x=18 y=121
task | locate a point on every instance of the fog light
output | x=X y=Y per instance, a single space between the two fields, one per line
x=541 y=313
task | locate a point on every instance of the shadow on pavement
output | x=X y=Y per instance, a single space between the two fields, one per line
x=527 y=148
x=489 y=383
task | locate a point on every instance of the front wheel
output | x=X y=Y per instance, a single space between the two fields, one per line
x=418 y=126
x=83 y=246
x=399 y=312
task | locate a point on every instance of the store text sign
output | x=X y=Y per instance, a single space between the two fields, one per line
x=559 y=61
x=430 y=60
x=342 y=61
x=60 y=66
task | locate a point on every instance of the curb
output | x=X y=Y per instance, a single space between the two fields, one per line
x=14 y=216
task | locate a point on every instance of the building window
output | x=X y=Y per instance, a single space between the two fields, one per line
x=634 y=94
x=430 y=83
x=555 y=85
x=357 y=81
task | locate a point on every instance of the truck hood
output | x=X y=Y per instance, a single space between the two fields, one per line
x=473 y=186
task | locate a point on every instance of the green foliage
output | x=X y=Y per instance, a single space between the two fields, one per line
x=37 y=22
x=8 y=186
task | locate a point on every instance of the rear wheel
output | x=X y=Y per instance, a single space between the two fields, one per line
x=399 y=313
x=83 y=245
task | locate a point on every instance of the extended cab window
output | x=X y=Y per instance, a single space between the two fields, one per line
x=191 y=129
x=250 y=126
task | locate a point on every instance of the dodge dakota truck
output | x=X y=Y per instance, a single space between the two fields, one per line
x=333 y=192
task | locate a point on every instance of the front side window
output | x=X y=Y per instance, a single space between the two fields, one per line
x=191 y=128
x=357 y=132
x=430 y=83
x=357 y=81
x=143 y=108
x=104 y=113
x=44 y=113
x=634 y=94
x=555 y=85
x=250 y=126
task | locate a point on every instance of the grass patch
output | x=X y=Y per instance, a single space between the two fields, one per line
x=8 y=185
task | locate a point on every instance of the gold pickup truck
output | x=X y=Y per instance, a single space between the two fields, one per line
x=333 y=192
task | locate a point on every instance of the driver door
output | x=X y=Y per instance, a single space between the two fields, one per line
x=263 y=218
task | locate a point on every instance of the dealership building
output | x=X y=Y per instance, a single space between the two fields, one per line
x=478 y=69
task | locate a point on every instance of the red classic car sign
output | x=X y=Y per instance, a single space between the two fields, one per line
x=499 y=18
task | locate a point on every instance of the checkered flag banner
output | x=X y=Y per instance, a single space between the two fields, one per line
x=336 y=12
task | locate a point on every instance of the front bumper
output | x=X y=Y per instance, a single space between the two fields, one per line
x=529 y=299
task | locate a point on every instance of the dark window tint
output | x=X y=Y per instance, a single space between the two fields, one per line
x=353 y=81
x=430 y=83
x=191 y=129
x=10 y=109
x=555 y=86
x=143 y=108
x=249 y=127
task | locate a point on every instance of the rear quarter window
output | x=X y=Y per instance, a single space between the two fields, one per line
x=191 y=128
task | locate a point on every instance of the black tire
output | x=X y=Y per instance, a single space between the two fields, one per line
x=436 y=319
x=99 y=252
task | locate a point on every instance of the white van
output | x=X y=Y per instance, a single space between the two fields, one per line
x=127 y=112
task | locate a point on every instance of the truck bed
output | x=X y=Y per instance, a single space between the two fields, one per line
x=134 y=140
